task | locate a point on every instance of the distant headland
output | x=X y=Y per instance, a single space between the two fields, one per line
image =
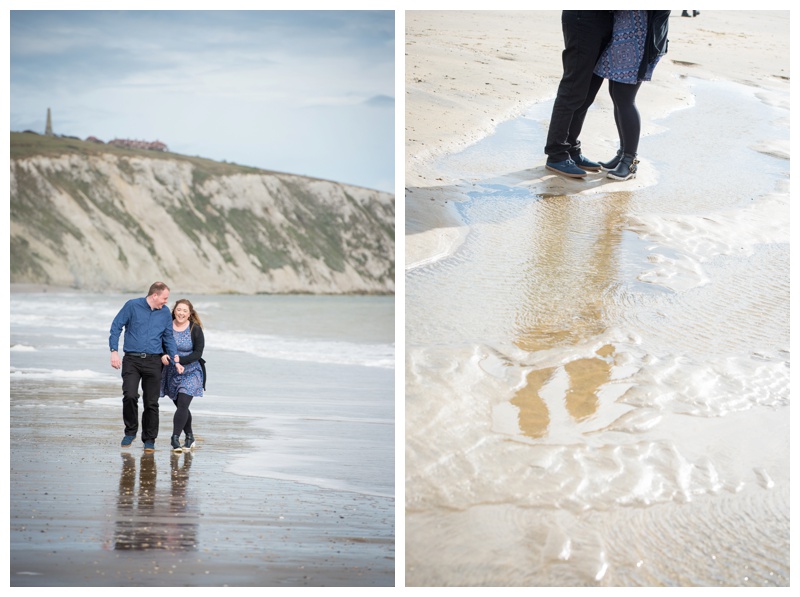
x=129 y=143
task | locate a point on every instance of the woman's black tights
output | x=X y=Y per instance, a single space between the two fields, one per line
x=182 y=420
x=626 y=115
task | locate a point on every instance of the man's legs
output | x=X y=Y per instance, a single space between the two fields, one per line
x=580 y=115
x=586 y=34
x=130 y=395
x=151 y=387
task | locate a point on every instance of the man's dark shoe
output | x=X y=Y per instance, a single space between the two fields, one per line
x=567 y=168
x=150 y=445
x=127 y=441
x=586 y=164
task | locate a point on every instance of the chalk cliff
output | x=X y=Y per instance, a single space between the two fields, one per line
x=98 y=218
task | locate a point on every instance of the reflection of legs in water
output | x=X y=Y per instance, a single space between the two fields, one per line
x=147 y=521
x=585 y=378
x=565 y=307
x=534 y=417
x=183 y=526
x=125 y=499
x=180 y=476
x=133 y=529
x=127 y=481
x=147 y=482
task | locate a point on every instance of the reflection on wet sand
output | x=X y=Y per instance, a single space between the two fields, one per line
x=534 y=417
x=575 y=268
x=586 y=376
x=149 y=520
x=596 y=380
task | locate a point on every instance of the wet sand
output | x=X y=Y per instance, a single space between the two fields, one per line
x=85 y=512
x=469 y=71
x=597 y=374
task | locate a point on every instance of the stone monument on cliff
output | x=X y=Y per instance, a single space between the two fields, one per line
x=48 y=129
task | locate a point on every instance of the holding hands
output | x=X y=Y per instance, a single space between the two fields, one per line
x=178 y=366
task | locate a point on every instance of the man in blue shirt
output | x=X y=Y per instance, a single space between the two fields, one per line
x=148 y=330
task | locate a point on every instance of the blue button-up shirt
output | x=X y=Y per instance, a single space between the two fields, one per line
x=146 y=330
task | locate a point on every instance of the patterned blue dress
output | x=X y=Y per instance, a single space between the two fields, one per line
x=622 y=57
x=191 y=380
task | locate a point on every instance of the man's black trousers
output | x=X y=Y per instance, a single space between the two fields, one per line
x=147 y=371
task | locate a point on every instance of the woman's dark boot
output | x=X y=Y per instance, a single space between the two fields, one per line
x=175 y=442
x=626 y=168
x=189 y=442
x=613 y=162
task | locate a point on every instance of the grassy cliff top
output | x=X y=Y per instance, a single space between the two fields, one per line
x=25 y=145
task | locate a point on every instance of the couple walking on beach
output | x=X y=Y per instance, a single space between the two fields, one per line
x=163 y=352
x=622 y=46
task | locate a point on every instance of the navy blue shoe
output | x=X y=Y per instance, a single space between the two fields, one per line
x=567 y=168
x=150 y=445
x=584 y=163
x=127 y=441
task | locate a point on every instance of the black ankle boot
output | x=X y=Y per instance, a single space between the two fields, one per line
x=175 y=442
x=189 y=442
x=626 y=168
x=613 y=162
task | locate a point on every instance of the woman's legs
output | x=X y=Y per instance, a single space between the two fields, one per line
x=182 y=420
x=626 y=115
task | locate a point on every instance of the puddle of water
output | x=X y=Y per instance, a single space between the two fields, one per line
x=584 y=354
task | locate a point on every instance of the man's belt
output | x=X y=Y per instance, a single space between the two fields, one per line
x=141 y=355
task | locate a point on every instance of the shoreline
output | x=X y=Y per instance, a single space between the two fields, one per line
x=106 y=516
x=26 y=287
x=280 y=490
x=454 y=57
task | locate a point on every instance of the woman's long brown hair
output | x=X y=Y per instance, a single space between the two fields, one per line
x=194 y=318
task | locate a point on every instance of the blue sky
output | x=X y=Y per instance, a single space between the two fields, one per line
x=306 y=92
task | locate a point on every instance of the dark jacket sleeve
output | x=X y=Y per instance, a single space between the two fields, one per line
x=656 y=42
x=198 y=344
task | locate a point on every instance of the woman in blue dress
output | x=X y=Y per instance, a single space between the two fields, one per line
x=185 y=380
x=638 y=41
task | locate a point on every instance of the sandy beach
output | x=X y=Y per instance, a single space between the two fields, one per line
x=597 y=373
x=291 y=482
x=81 y=517
x=467 y=72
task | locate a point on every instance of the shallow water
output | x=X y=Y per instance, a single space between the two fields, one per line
x=310 y=378
x=598 y=377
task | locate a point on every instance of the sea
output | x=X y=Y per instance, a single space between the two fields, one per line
x=309 y=379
